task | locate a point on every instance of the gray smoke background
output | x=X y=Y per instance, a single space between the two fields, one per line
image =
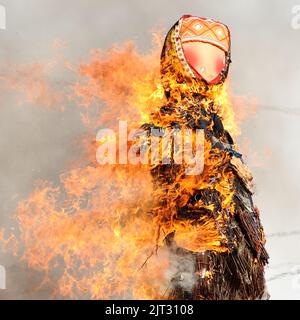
x=36 y=143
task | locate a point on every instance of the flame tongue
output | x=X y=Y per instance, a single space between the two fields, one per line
x=96 y=232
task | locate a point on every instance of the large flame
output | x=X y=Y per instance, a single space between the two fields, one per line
x=94 y=233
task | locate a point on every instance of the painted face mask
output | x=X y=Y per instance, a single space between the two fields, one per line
x=195 y=48
x=205 y=44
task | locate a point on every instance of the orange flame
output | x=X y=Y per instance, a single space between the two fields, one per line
x=95 y=232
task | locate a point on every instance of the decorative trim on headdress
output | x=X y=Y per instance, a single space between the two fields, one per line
x=190 y=28
x=205 y=30
x=179 y=50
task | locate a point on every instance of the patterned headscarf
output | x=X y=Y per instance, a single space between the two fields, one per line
x=194 y=29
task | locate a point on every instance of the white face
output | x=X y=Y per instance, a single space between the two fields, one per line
x=205 y=59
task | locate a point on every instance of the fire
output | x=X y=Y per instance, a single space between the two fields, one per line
x=97 y=231
x=128 y=82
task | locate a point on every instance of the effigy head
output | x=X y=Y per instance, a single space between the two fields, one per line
x=196 y=55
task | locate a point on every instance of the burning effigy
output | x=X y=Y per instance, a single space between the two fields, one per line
x=148 y=230
x=208 y=219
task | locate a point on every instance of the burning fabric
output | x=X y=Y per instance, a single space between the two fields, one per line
x=208 y=219
x=181 y=230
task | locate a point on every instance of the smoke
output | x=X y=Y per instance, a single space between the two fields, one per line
x=183 y=270
x=37 y=144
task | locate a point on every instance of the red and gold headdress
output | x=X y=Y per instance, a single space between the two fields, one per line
x=192 y=29
x=204 y=30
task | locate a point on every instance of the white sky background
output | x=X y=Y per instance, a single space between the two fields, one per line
x=266 y=66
